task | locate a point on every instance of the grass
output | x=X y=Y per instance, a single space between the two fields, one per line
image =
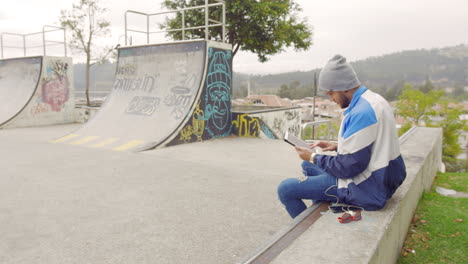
x=438 y=233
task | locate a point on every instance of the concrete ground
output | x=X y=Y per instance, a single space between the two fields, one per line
x=208 y=202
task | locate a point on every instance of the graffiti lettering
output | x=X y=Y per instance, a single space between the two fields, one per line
x=295 y=129
x=246 y=126
x=59 y=68
x=180 y=99
x=197 y=128
x=291 y=115
x=145 y=84
x=39 y=108
x=278 y=126
x=127 y=70
x=143 y=105
x=177 y=100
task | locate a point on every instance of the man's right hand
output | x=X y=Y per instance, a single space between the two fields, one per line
x=324 y=145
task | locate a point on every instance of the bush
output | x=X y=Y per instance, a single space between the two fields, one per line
x=455 y=165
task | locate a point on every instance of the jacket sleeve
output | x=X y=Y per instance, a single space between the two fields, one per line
x=345 y=166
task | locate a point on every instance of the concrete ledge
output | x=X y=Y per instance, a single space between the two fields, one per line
x=84 y=113
x=379 y=236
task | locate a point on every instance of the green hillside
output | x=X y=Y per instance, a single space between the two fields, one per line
x=446 y=67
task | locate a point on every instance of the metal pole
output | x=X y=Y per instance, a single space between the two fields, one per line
x=147 y=29
x=24 y=45
x=206 y=19
x=1 y=43
x=65 y=41
x=126 y=28
x=313 y=104
x=183 y=24
x=224 y=22
x=43 y=41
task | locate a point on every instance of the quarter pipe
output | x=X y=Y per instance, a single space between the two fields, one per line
x=163 y=95
x=36 y=91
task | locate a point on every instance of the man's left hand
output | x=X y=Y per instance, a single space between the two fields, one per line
x=304 y=154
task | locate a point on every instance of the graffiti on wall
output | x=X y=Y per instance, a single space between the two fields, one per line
x=267 y=131
x=294 y=121
x=278 y=122
x=218 y=93
x=146 y=83
x=196 y=128
x=181 y=94
x=55 y=86
x=244 y=125
x=212 y=115
x=143 y=105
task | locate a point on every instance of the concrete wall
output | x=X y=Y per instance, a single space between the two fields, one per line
x=267 y=124
x=379 y=236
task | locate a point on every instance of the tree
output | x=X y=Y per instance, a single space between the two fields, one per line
x=458 y=92
x=393 y=92
x=85 y=24
x=415 y=106
x=427 y=86
x=436 y=111
x=284 y=91
x=452 y=127
x=262 y=27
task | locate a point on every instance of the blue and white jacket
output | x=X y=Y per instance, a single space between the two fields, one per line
x=368 y=166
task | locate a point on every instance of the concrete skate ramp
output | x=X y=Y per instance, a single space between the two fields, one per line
x=154 y=90
x=36 y=91
x=19 y=79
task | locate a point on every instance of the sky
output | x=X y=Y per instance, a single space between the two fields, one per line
x=356 y=29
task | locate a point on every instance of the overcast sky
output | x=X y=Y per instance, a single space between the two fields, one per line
x=356 y=29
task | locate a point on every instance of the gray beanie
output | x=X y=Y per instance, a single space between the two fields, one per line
x=338 y=75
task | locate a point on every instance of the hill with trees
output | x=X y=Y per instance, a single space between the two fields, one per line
x=387 y=74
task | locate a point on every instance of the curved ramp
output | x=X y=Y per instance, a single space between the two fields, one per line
x=19 y=79
x=155 y=94
x=36 y=91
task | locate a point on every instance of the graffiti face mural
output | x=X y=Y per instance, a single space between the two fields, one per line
x=218 y=91
x=212 y=116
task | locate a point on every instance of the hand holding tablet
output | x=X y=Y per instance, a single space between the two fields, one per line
x=295 y=141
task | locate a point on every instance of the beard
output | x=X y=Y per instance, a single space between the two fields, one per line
x=345 y=102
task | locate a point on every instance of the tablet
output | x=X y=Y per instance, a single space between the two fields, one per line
x=295 y=141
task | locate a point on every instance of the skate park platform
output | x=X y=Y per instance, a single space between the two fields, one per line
x=206 y=202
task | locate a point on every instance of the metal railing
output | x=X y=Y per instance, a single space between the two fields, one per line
x=45 y=42
x=206 y=26
x=316 y=123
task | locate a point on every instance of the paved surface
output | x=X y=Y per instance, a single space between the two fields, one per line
x=207 y=202
x=18 y=81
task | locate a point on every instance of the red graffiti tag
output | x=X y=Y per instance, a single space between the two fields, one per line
x=55 y=92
